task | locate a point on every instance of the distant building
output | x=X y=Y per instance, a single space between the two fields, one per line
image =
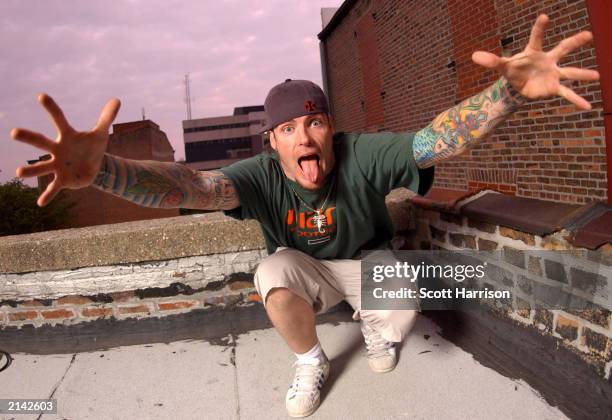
x=211 y=143
x=140 y=140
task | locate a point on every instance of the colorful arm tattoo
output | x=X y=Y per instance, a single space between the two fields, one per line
x=165 y=184
x=463 y=126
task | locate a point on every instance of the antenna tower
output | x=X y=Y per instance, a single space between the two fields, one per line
x=187 y=96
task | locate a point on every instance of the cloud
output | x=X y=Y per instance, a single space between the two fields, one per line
x=84 y=53
x=259 y=13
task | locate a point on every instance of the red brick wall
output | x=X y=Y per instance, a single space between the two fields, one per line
x=483 y=34
x=422 y=66
x=368 y=56
x=346 y=78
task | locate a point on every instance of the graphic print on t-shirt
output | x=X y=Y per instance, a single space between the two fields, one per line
x=313 y=228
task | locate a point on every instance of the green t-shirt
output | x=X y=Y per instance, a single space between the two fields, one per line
x=354 y=217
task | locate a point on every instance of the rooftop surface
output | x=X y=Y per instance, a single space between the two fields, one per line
x=246 y=374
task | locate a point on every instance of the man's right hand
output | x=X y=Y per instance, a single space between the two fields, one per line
x=76 y=156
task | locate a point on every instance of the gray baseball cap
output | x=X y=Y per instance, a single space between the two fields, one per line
x=291 y=99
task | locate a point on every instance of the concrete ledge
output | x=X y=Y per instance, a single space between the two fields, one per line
x=149 y=240
x=131 y=242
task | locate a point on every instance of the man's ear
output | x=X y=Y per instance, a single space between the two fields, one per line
x=272 y=139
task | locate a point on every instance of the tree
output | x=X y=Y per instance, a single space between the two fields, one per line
x=20 y=214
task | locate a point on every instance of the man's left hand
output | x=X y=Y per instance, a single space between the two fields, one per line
x=535 y=73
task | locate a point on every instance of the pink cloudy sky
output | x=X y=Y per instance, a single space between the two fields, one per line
x=83 y=53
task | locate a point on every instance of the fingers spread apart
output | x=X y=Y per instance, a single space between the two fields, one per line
x=537 y=33
x=33 y=139
x=108 y=114
x=570 y=44
x=573 y=97
x=575 y=73
x=52 y=190
x=37 y=169
x=57 y=115
x=487 y=59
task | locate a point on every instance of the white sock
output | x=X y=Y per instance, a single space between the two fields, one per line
x=314 y=353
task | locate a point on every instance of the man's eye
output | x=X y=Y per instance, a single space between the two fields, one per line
x=316 y=123
x=287 y=130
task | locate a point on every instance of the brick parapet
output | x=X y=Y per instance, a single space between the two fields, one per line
x=587 y=332
x=209 y=253
x=200 y=282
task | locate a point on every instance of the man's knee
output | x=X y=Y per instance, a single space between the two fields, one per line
x=279 y=298
x=275 y=269
x=277 y=263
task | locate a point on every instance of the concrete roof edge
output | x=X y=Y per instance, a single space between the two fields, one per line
x=130 y=242
x=146 y=240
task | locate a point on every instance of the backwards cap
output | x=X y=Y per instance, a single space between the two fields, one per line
x=292 y=99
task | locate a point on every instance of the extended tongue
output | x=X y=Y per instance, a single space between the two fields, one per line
x=310 y=167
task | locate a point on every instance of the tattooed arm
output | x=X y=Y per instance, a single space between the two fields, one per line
x=165 y=184
x=463 y=126
x=78 y=160
x=530 y=74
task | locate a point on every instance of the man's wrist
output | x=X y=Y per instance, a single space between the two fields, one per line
x=101 y=179
x=510 y=94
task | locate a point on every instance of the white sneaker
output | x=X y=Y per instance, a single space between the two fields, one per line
x=381 y=353
x=304 y=395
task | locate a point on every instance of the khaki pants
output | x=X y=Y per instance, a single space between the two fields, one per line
x=325 y=283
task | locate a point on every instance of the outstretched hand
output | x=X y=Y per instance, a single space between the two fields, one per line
x=76 y=156
x=535 y=73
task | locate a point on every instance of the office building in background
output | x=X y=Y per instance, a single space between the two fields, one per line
x=212 y=143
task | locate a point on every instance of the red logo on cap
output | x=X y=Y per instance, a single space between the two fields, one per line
x=309 y=106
